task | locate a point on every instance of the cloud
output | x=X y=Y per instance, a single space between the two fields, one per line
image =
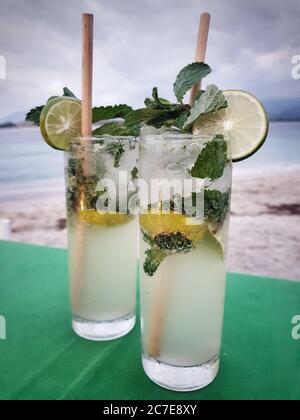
x=141 y=44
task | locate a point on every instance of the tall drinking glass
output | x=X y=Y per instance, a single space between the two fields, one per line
x=183 y=241
x=102 y=235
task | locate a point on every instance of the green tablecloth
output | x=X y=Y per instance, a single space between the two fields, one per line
x=43 y=359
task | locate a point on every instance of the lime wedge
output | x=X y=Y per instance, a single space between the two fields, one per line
x=61 y=121
x=154 y=224
x=244 y=122
x=92 y=217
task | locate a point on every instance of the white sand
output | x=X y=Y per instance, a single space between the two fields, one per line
x=265 y=223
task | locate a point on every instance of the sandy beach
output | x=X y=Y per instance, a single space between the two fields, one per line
x=265 y=225
x=264 y=234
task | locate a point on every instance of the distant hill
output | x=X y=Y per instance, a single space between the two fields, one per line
x=283 y=109
x=15 y=118
x=7 y=125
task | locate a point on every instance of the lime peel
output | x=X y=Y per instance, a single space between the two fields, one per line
x=60 y=122
x=244 y=122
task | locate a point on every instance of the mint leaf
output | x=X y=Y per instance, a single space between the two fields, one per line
x=149 y=103
x=212 y=99
x=141 y=115
x=188 y=77
x=148 y=239
x=164 y=102
x=154 y=257
x=166 y=117
x=216 y=205
x=116 y=129
x=212 y=160
x=161 y=102
x=102 y=113
x=156 y=102
x=34 y=115
x=181 y=120
x=162 y=245
x=68 y=92
x=173 y=243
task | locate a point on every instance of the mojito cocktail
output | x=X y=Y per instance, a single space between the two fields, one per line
x=102 y=235
x=183 y=268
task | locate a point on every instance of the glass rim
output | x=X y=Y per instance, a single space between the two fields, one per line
x=104 y=136
x=177 y=137
x=97 y=139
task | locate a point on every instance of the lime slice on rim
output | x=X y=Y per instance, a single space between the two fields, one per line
x=244 y=122
x=61 y=121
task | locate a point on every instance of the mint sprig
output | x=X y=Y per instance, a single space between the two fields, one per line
x=168 y=112
x=158 y=112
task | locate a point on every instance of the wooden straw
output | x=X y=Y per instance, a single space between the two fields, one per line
x=161 y=290
x=87 y=73
x=201 y=48
x=160 y=298
x=86 y=132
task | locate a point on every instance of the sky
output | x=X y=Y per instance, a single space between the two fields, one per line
x=144 y=43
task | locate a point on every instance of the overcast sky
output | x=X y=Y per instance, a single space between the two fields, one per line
x=143 y=43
